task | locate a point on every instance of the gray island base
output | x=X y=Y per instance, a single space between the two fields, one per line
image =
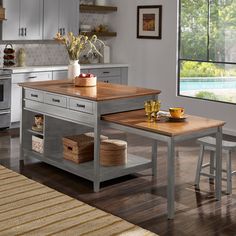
x=70 y=110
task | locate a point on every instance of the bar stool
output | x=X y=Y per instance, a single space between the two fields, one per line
x=209 y=143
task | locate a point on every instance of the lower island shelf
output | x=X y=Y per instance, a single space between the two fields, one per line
x=86 y=170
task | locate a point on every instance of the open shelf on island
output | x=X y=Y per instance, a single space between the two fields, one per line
x=86 y=169
x=35 y=132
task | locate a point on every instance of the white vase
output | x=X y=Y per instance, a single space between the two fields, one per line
x=73 y=69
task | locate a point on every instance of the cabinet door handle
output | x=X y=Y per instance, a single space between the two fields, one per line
x=5 y=113
x=25 y=31
x=80 y=105
x=19 y=31
x=60 y=31
x=32 y=77
x=34 y=95
x=55 y=100
x=22 y=31
x=63 y=31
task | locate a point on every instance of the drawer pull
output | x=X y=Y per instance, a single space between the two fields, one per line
x=34 y=95
x=55 y=100
x=106 y=72
x=80 y=105
x=32 y=77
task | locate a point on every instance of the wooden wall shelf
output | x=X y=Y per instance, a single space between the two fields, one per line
x=101 y=34
x=97 y=9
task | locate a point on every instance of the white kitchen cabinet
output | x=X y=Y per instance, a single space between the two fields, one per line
x=60 y=16
x=59 y=74
x=115 y=75
x=16 y=90
x=24 y=20
x=62 y=74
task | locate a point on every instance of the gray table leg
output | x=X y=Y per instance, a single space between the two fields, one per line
x=154 y=158
x=218 y=163
x=171 y=179
x=97 y=131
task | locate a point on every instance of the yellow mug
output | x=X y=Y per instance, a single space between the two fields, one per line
x=176 y=112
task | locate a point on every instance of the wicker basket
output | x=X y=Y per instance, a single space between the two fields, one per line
x=85 y=82
x=113 y=152
x=37 y=144
x=79 y=148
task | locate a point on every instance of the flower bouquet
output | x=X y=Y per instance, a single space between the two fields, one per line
x=77 y=46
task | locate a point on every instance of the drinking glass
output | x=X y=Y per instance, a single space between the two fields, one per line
x=148 y=109
x=155 y=108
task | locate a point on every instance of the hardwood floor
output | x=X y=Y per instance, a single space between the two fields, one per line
x=140 y=198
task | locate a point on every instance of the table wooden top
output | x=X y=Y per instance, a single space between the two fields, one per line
x=101 y=92
x=138 y=119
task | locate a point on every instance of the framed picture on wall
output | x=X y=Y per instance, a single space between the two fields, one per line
x=149 y=23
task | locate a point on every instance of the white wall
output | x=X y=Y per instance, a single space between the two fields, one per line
x=153 y=62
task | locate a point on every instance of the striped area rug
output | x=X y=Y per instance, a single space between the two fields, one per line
x=30 y=208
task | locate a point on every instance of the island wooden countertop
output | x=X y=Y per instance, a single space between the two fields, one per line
x=101 y=92
x=138 y=119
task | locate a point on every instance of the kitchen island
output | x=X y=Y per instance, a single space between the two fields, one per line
x=70 y=110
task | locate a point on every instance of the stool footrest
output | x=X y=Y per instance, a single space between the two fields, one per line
x=206 y=165
x=212 y=176
x=207 y=175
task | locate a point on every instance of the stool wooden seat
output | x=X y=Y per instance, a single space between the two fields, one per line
x=209 y=143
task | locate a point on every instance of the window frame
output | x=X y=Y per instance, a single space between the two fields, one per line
x=179 y=60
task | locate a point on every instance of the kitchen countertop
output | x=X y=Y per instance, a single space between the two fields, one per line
x=101 y=92
x=26 y=69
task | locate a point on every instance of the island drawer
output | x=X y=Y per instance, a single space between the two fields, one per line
x=106 y=72
x=81 y=105
x=34 y=95
x=55 y=100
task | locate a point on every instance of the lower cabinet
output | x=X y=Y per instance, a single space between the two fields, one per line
x=16 y=90
x=62 y=74
x=59 y=74
x=116 y=75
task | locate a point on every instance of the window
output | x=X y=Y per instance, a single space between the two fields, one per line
x=207 y=49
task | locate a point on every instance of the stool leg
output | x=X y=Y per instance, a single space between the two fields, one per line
x=212 y=165
x=229 y=173
x=199 y=166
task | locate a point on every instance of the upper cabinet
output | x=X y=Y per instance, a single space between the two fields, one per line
x=24 y=20
x=42 y=19
x=60 y=16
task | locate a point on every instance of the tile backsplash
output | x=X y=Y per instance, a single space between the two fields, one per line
x=40 y=54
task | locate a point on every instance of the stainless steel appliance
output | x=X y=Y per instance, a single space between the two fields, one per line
x=5 y=98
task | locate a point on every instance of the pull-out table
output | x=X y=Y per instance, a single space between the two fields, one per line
x=171 y=133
